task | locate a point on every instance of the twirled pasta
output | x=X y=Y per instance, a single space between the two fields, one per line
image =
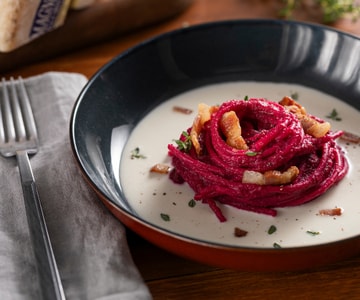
x=280 y=161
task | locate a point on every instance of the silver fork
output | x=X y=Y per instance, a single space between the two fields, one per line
x=18 y=137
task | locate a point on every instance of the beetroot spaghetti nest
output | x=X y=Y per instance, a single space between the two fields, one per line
x=257 y=155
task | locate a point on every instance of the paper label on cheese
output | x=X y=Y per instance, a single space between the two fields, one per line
x=45 y=17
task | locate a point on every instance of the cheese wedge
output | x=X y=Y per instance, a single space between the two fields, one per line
x=24 y=20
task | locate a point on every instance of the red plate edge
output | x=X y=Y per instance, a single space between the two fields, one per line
x=244 y=259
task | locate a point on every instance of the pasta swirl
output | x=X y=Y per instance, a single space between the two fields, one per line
x=280 y=161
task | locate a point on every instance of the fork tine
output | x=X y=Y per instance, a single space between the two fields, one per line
x=16 y=117
x=2 y=132
x=28 y=116
x=9 y=129
x=17 y=113
x=29 y=120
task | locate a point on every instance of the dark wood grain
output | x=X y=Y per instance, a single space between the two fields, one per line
x=100 y=22
x=172 y=277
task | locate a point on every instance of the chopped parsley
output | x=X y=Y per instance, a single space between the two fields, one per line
x=136 y=153
x=311 y=232
x=295 y=96
x=276 y=245
x=165 y=217
x=334 y=115
x=271 y=229
x=192 y=203
x=251 y=153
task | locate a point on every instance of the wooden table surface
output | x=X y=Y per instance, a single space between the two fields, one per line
x=169 y=276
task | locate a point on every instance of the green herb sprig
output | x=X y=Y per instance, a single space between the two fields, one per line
x=332 y=10
x=184 y=145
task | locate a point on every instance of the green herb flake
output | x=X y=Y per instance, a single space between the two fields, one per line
x=185 y=145
x=165 y=217
x=295 y=96
x=192 y=203
x=334 y=115
x=271 y=229
x=311 y=232
x=136 y=153
x=246 y=98
x=251 y=153
x=276 y=245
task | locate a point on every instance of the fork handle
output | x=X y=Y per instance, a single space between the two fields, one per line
x=49 y=276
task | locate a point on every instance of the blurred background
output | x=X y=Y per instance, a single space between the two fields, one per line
x=34 y=31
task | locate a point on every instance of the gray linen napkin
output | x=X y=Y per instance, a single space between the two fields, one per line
x=89 y=243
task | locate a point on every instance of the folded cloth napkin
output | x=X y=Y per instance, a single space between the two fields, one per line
x=89 y=243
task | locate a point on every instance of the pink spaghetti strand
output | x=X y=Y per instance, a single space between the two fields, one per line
x=277 y=141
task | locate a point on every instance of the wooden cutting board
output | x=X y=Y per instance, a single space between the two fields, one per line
x=103 y=20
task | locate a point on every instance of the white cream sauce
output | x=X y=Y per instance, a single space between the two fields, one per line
x=151 y=194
